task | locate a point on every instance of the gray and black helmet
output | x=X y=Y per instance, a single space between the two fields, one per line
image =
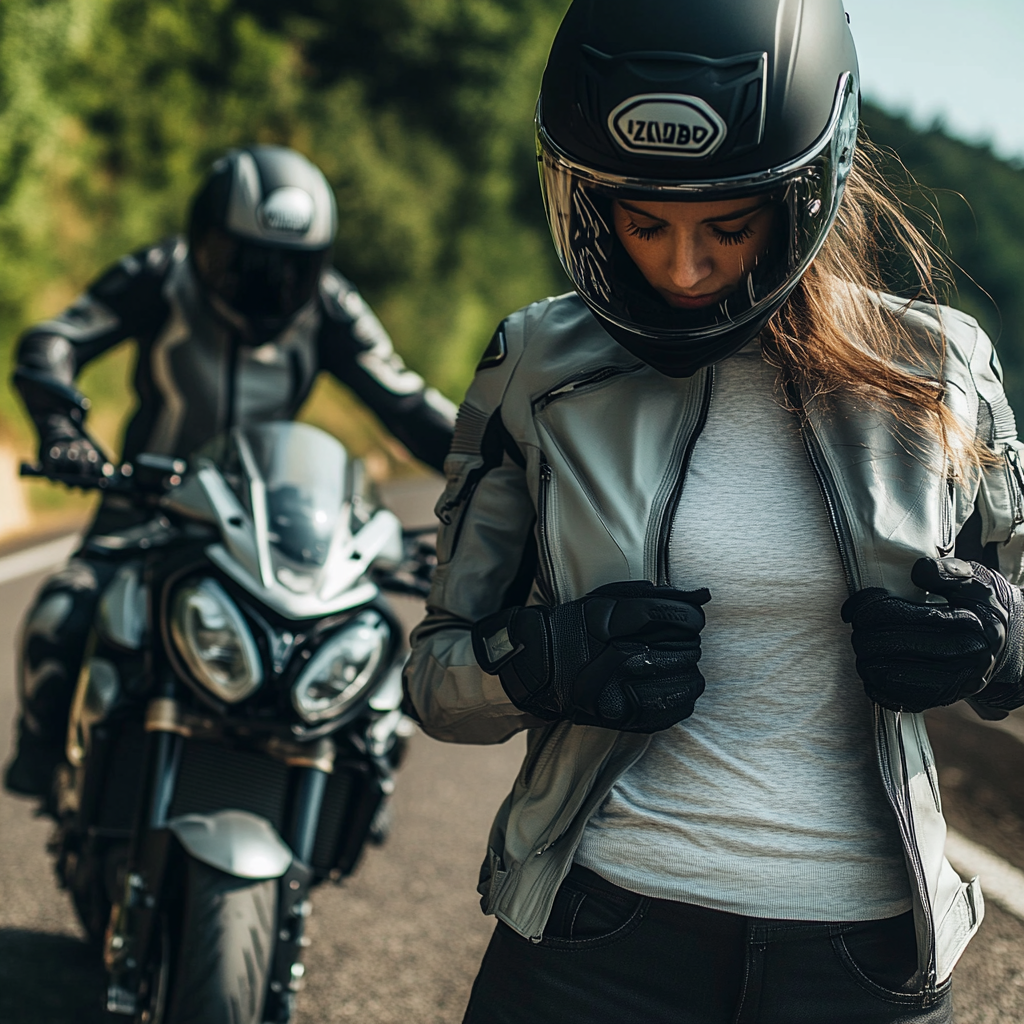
x=260 y=234
x=694 y=100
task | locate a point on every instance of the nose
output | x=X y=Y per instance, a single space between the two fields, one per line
x=691 y=263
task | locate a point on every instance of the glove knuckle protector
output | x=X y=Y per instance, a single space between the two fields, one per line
x=63 y=448
x=912 y=656
x=622 y=657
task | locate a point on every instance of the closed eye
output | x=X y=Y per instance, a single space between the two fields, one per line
x=644 y=234
x=733 y=237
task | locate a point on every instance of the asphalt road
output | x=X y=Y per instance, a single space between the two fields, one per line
x=400 y=941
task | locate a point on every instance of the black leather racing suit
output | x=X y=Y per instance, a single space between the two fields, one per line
x=195 y=377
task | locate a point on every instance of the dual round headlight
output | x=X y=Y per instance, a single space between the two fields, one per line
x=343 y=668
x=215 y=641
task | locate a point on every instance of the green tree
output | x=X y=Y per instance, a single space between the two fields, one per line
x=420 y=113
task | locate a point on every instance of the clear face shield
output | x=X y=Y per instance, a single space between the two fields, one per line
x=804 y=199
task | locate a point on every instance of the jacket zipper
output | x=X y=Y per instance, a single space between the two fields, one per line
x=901 y=802
x=590 y=380
x=837 y=519
x=231 y=412
x=544 y=537
x=948 y=515
x=841 y=532
x=668 y=516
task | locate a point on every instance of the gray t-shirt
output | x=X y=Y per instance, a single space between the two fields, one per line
x=767 y=802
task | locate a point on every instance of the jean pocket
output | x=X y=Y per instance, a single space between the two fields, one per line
x=589 y=911
x=882 y=957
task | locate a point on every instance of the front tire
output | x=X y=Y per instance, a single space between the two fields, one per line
x=226 y=948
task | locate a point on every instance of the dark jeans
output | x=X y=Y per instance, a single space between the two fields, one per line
x=611 y=957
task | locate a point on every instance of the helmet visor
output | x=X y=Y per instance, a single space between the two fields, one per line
x=796 y=207
x=261 y=281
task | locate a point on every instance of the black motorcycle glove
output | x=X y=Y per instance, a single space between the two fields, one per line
x=623 y=657
x=917 y=656
x=64 y=449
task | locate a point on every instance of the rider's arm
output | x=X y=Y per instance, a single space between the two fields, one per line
x=484 y=544
x=356 y=349
x=117 y=305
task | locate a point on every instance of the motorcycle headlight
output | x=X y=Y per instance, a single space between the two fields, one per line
x=215 y=642
x=343 y=669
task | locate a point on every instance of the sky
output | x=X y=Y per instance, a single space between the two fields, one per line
x=961 y=60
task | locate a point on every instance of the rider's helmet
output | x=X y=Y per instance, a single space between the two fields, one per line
x=260 y=234
x=661 y=100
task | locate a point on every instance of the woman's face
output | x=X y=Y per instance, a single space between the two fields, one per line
x=694 y=254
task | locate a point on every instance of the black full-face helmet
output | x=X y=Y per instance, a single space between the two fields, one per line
x=260 y=234
x=694 y=100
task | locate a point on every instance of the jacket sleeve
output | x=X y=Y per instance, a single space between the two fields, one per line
x=355 y=348
x=487 y=519
x=999 y=505
x=121 y=303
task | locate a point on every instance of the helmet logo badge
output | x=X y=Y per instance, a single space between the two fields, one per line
x=671 y=125
x=289 y=210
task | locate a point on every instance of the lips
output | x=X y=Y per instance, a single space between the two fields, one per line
x=691 y=301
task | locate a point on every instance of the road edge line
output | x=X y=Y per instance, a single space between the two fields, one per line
x=1001 y=882
x=35 y=559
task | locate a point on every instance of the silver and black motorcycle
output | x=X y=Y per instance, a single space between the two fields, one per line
x=237 y=721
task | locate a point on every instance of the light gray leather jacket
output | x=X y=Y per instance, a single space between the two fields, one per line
x=566 y=440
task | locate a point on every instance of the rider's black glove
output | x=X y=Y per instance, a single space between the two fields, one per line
x=623 y=657
x=64 y=449
x=918 y=656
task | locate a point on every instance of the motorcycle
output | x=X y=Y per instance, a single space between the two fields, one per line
x=237 y=721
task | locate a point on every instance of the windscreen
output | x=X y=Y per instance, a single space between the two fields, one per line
x=306 y=477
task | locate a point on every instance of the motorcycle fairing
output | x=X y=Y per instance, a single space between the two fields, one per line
x=296 y=532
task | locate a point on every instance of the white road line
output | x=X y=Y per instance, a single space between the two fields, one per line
x=37 y=559
x=1001 y=882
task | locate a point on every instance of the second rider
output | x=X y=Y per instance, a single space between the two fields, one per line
x=233 y=324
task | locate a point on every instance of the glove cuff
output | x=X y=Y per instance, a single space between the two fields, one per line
x=522 y=667
x=493 y=645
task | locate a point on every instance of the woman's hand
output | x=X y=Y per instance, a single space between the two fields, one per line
x=623 y=657
x=918 y=656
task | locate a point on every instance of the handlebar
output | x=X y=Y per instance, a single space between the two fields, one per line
x=149 y=474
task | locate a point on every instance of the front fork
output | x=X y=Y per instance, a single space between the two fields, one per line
x=129 y=934
x=128 y=945
x=293 y=905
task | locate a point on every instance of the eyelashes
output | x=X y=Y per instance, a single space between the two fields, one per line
x=644 y=234
x=733 y=237
x=723 y=237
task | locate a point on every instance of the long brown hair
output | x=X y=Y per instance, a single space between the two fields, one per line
x=834 y=336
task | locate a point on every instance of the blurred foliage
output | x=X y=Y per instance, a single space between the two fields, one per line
x=978 y=203
x=419 y=112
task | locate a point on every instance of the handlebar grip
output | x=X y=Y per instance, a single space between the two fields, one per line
x=82 y=481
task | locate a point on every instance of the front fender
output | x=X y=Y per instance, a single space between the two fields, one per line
x=235 y=842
